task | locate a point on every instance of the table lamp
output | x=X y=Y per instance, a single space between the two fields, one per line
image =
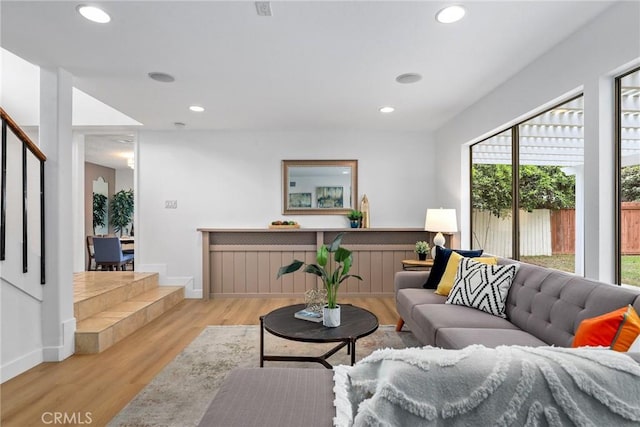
x=440 y=221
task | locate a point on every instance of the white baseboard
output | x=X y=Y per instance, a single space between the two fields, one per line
x=187 y=282
x=68 y=347
x=22 y=364
x=164 y=280
x=193 y=293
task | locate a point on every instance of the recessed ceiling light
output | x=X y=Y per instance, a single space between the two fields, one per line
x=161 y=77
x=196 y=108
x=263 y=8
x=408 y=78
x=450 y=14
x=386 y=109
x=93 y=13
x=179 y=125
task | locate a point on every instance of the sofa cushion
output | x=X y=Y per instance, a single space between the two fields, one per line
x=550 y=304
x=456 y=338
x=616 y=329
x=411 y=297
x=449 y=276
x=273 y=397
x=482 y=286
x=440 y=264
x=431 y=317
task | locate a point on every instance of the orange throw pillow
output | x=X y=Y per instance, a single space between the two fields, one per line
x=616 y=330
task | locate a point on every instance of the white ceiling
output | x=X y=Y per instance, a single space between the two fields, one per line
x=312 y=65
x=110 y=150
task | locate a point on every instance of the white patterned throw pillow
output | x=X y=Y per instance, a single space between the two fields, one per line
x=482 y=286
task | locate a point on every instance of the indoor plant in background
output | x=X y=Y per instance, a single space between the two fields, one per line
x=121 y=210
x=332 y=272
x=99 y=210
x=422 y=249
x=355 y=216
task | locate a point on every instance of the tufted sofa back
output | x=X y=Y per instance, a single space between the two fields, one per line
x=550 y=304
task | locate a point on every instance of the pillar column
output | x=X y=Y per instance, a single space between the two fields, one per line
x=79 y=238
x=599 y=178
x=58 y=322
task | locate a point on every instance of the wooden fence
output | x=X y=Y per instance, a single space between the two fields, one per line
x=630 y=226
x=563 y=225
x=494 y=234
x=545 y=232
x=563 y=231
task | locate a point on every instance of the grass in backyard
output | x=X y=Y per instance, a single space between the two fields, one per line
x=631 y=270
x=566 y=262
x=563 y=262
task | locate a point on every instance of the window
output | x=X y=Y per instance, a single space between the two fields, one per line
x=547 y=154
x=491 y=195
x=551 y=158
x=628 y=167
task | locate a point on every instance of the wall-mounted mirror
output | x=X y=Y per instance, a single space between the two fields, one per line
x=325 y=187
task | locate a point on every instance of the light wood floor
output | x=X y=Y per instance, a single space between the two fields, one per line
x=104 y=383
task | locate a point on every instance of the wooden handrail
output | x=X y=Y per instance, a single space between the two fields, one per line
x=23 y=136
x=7 y=122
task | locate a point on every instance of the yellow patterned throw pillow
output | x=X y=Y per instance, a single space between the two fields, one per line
x=449 y=276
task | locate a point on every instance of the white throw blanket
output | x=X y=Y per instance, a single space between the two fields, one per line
x=479 y=386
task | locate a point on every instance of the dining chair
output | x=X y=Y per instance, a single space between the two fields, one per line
x=108 y=253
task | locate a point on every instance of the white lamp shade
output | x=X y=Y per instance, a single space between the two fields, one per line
x=441 y=221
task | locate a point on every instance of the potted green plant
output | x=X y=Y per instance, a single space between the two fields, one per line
x=331 y=272
x=355 y=216
x=422 y=249
x=121 y=210
x=99 y=210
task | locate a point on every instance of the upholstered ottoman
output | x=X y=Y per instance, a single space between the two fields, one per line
x=273 y=397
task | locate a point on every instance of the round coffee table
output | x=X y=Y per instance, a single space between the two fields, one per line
x=355 y=323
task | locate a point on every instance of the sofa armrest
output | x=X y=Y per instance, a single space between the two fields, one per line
x=409 y=279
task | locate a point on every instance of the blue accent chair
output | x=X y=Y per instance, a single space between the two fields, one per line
x=108 y=253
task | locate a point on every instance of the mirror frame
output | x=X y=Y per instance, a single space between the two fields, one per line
x=286 y=164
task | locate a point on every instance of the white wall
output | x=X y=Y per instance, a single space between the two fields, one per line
x=234 y=180
x=586 y=61
x=124 y=179
x=21 y=347
x=21 y=294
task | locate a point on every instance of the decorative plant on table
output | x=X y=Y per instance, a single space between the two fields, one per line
x=355 y=216
x=99 y=210
x=122 y=210
x=422 y=249
x=332 y=272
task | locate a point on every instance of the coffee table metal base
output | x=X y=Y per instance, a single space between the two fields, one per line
x=349 y=343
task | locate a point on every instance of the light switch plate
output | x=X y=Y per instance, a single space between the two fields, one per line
x=171 y=204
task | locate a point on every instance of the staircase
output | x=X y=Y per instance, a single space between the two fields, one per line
x=110 y=305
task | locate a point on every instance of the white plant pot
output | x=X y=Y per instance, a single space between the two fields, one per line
x=331 y=316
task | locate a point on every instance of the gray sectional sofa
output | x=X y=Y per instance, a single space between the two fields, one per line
x=544 y=307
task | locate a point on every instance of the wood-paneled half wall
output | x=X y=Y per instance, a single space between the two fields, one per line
x=245 y=262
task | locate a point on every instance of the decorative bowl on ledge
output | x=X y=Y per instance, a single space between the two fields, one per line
x=284 y=225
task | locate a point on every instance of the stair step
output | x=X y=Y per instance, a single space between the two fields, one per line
x=98 y=291
x=103 y=329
